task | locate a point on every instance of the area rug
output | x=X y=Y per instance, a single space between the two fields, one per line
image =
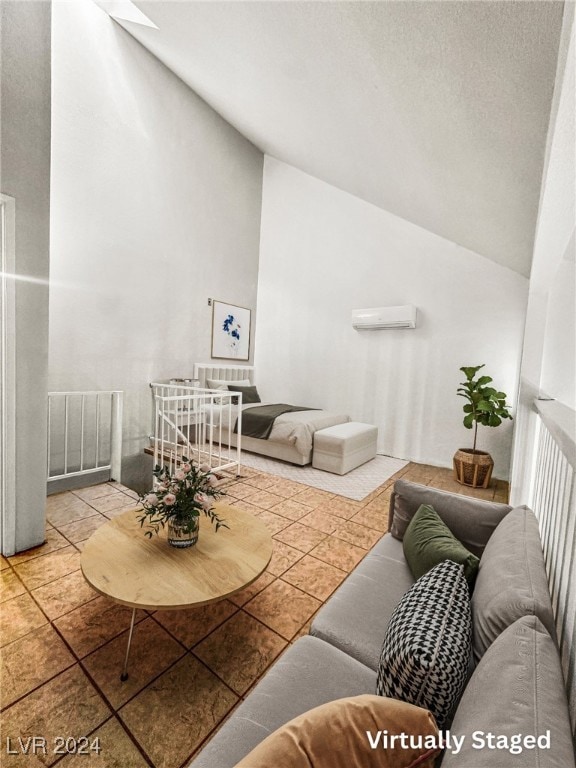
x=356 y=484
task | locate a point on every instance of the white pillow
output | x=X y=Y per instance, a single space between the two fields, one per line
x=223 y=385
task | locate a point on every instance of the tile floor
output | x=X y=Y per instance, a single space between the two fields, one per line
x=62 y=645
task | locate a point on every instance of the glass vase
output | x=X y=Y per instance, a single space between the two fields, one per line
x=183 y=534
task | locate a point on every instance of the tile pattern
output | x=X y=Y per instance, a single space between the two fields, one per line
x=63 y=644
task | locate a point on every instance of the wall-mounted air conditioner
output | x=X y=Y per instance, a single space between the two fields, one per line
x=381 y=318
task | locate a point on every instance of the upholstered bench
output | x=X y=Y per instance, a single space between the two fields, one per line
x=344 y=447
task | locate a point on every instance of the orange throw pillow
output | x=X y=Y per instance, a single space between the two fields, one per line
x=339 y=735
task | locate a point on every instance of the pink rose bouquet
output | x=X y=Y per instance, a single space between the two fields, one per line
x=180 y=497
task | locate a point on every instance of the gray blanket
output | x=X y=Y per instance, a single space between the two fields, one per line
x=259 y=420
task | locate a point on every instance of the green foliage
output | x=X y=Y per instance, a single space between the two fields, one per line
x=180 y=497
x=485 y=404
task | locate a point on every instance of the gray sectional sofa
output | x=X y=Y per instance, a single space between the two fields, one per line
x=515 y=687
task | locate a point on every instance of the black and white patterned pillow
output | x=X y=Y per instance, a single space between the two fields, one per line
x=427 y=647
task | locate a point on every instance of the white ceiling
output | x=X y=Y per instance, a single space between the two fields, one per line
x=435 y=111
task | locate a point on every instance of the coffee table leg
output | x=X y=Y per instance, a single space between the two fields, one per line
x=124 y=675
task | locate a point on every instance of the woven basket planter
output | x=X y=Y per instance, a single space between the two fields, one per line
x=473 y=468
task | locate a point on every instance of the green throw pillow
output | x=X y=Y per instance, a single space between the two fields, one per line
x=428 y=541
x=249 y=394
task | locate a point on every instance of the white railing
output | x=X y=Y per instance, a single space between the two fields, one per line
x=553 y=499
x=84 y=434
x=195 y=423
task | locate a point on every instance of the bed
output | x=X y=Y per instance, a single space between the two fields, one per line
x=292 y=435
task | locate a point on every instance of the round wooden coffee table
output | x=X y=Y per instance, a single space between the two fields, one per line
x=120 y=562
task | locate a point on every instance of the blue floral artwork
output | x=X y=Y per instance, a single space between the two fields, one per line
x=230 y=331
x=232 y=327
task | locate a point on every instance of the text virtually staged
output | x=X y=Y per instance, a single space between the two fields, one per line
x=515 y=744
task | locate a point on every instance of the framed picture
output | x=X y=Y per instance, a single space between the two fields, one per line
x=230 y=331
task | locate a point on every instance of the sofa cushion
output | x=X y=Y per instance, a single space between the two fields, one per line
x=392 y=548
x=471 y=520
x=511 y=580
x=517 y=688
x=426 y=650
x=336 y=735
x=357 y=615
x=309 y=673
x=428 y=541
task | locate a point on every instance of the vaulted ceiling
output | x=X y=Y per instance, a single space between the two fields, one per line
x=435 y=111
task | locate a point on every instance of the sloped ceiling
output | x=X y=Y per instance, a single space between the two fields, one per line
x=435 y=111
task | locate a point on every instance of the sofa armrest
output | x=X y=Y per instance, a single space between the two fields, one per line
x=471 y=520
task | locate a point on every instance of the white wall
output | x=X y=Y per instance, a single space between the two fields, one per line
x=553 y=268
x=559 y=354
x=155 y=208
x=549 y=354
x=324 y=252
x=25 y=165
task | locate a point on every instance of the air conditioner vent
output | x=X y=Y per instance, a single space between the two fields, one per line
x=382 y=318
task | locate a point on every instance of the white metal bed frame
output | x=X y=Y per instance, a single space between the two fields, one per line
x=231 y=373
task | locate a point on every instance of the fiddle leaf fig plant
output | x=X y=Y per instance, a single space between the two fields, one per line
x=484 y=404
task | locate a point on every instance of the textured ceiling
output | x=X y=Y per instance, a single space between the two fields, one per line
x=435 y=111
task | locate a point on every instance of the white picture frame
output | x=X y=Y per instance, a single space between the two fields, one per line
x=230 y=331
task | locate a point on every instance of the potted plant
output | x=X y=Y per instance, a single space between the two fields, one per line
x=484 y=405
x=178 y=500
